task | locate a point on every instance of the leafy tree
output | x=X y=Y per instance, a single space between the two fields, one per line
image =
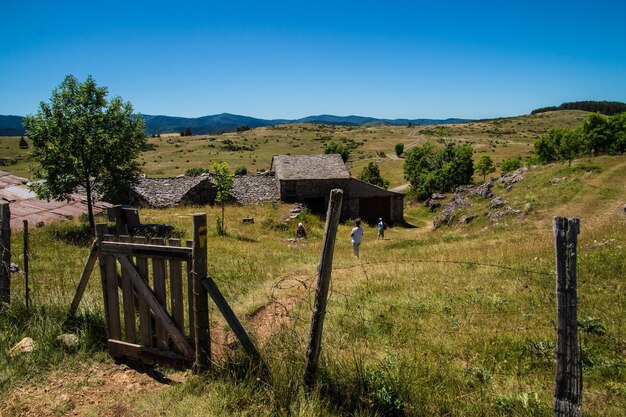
x=242 y=128
x=196 y=172
x=430 y=169
x=617 y=126
x=485 y=166
x=81 y=139
x=337 y=148
x=511 y=164
x=399 y=149
x=186 y=132
x=596 y=134
x=241 y=171
x=569 y=146
x=371 y=175
x=23 y=144
x=223 y=180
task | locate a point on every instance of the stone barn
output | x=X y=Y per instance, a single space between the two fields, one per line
x=172 y=192
x=308 y=179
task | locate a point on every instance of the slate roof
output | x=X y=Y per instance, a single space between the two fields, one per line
x=309 y=167
x=255 y=189
x=24 y=204
x=167 y=192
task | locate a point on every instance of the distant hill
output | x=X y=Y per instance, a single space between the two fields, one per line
x=11 y=126
x=226 y=122
x=608 y=108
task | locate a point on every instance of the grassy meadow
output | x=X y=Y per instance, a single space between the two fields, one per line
x=460 y=321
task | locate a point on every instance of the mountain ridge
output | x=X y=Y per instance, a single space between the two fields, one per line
x=228 y=122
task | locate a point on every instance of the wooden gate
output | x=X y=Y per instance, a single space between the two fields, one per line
x=143 y=322
x=156 y=298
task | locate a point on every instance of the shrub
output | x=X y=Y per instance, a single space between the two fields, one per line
x=430 y=169
x=23 y=144
x=337 y=148
x=241 y=171
x=511 y=164
x=196 y=172
x=399 y=149
x=371 y=175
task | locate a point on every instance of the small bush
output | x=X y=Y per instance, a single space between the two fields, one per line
x=511 y=164
x=241 y=171
x=592 y=325
x=196 y=172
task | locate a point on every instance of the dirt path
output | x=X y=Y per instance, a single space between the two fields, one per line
x=100 y=388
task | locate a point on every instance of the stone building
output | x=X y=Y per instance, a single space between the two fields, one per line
x=172 y=192
x=308 y=179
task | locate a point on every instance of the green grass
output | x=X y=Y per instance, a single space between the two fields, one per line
x=426 y=323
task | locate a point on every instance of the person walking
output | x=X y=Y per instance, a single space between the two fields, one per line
x=357 y=236
x=381 y=228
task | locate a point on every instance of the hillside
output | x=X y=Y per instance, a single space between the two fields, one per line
x=225 y=122
x=468 y=309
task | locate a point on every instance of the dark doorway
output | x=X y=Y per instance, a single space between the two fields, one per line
x=315 y=205
x=370 y=209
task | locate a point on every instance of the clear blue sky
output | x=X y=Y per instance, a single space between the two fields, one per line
x=290 y=59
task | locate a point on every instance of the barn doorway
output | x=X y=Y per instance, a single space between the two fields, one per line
x=316 y=205
x=370 y=209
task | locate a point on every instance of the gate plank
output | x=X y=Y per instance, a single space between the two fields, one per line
x=159 y=272
x=113 y=297
x=189 y=265
x=84 y=278
x=176 y=289
x=130 y=332
x=145 y=317
x=160 y=313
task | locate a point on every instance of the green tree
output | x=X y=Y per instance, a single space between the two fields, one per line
x=569 y=146
x=241 y=170
x=337 y=148
x=511 y=164
x=81 y=139
x=596 y=135
x=430 y=169
x=617 y=126
x=399 y=149
x=23 y=143
x=371 y=175
x=485 y=166
x=223 y=181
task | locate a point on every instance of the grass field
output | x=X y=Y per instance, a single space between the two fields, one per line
x=460 y=321
x=172 y=155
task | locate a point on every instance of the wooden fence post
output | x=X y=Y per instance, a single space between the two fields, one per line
x=568 y=391
x=26 y=255
x=5 y=254
x=202 y=341
x=324 y=269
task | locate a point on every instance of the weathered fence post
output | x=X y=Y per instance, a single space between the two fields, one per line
x=26 y=255
x=324 y=269
x=5 y=254
x=568 y=391
x=202 y=342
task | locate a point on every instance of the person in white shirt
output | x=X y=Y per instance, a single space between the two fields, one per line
x=357 y=236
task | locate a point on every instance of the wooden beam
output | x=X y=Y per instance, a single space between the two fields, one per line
x=146 y=354
x=84 y=278
x=324 y=270
x=202 y=338
x=231 y=319
x=145 y=317
x=160 y=313
x=135 y=249
x=5 y=254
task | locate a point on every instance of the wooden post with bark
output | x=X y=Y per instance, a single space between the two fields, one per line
x=5 y=255
x=569 y=384
x=324 y=270
x=26 y=256
x=201 y=335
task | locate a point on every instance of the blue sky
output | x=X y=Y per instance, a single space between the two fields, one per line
x=289 y=59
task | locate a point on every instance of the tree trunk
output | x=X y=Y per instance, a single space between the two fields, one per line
x=92 y=222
